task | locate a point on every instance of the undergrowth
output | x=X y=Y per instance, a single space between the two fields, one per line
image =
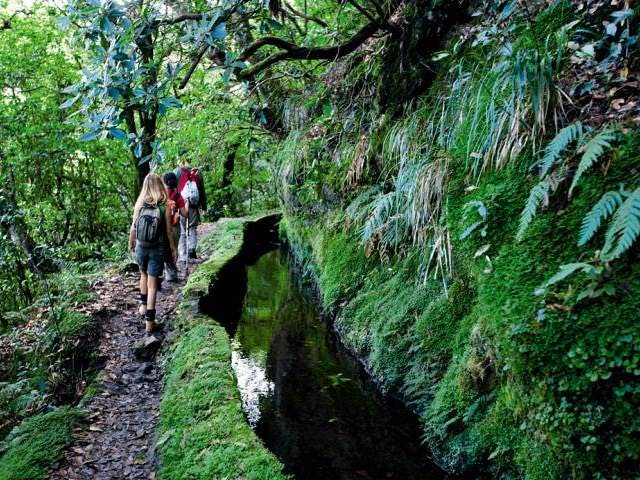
x=38 y=442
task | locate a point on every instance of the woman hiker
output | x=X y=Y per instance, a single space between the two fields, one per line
x=151 y=230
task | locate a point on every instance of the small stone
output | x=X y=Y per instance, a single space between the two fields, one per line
x=130 y=368
x=146 y=348
x=146 y=368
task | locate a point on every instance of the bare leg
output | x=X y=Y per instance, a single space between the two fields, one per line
x=152 y=290
x=142 y=308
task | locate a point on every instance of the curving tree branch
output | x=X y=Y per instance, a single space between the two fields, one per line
x=291 y=51
x=194 y=64
x=6 y=23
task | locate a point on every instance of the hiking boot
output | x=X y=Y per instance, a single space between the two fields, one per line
x=172 y=274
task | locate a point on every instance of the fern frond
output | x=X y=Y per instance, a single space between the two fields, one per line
x=602 y=210
x=382 y=208
x=536 y=197
x=593 y=150
x=624 y=228
x=556 y=146
x=569 y=269
x=359 y=208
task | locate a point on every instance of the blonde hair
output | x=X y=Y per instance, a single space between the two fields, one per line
x=152 y=192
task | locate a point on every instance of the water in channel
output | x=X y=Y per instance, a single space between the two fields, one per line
x=306 y=397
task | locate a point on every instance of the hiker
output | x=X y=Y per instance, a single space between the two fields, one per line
x=151 y=230
x=178 y=208
x=191 y=187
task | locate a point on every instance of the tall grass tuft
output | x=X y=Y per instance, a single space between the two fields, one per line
x=491 y=107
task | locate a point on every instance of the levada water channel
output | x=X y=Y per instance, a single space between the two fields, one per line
x=303 y=394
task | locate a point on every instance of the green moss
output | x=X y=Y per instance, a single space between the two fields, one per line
x=202 y=432
x=222 y=244
x=523 y=386
x=535 y=387
x=73 y=324
x=38 y=442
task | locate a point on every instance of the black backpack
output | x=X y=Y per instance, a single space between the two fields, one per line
x=149 y=225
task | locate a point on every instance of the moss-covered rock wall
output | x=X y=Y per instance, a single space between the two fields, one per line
x=415 y=227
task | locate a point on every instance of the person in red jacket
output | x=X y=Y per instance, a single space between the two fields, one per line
x=191 y=188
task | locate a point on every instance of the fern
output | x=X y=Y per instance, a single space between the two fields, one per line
x=382 y=209
x=602 y=210
x=592 y=152
x=624 y=228
x=536 y=197
x=556 y=146
x=569 y=269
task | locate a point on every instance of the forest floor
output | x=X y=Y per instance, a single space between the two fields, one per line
x=118 y=440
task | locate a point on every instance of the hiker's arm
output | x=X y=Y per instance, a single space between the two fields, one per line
x=132 y=230
x=132 y=237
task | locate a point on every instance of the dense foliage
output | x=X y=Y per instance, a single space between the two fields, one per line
x=62 y=199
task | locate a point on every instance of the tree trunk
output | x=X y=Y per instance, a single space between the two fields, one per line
x=227 y=172
x=143 y=169
x=12 y=223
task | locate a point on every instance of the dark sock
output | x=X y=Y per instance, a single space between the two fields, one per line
x=150 y=316
x=143 y=298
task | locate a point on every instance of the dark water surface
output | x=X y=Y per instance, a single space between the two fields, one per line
x=308 y=400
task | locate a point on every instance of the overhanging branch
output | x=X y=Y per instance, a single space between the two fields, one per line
x=194 y=65
x=291 y=51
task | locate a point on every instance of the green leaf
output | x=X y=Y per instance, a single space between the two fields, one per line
x=219 y=32
x=536 y=197
x=556 y=146
x=624 y=228
x=592 y=152
x=69 y=102
x=470 y=230
x=117 y=133
x=87 y=137
x=568 y=269
x=602 y=210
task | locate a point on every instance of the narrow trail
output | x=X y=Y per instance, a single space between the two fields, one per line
x=118 y=439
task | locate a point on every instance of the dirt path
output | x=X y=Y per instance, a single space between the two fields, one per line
x=118 y=440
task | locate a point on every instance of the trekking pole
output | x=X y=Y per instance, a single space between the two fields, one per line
x=186 y=257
